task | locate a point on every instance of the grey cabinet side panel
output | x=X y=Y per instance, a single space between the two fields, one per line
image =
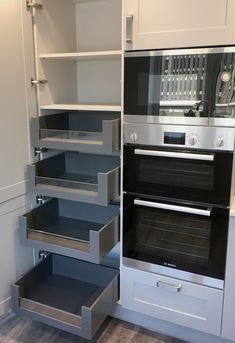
x=92 y=318
x=34 y=132
x=228 y=330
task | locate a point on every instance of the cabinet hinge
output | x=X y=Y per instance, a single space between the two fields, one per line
x=31 y=4
x=40 y=199
x=42 y=254
x=39 y=151
x=38 y=82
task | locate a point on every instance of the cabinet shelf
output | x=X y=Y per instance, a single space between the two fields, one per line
x=83 y=107
x=88 y=132
x=69 y=294
x=70 y=175
x=79 y=230
x=76 y=56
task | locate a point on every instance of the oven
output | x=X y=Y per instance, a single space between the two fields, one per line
x=176 y=239
x=185 y=86
x=178 y=186
x=176 y=173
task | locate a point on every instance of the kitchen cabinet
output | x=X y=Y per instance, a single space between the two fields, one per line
x=73 y=80
x=184 y=303
x=155 y=24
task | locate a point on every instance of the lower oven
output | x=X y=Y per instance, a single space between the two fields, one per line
x=178 y=239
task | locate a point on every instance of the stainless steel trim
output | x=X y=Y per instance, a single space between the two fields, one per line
x=205 y=138
x=152 y=53
x=188 y=156
x=129 y=26
x=225 y=122
x=148 y=119
x=169 y=286
x=175 y=208
x=175 y=273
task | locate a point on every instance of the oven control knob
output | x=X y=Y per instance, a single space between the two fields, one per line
x=220 y=142
x=133 y=137
x=193 y=140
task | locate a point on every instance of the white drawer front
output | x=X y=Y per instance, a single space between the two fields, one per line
x=173 y=300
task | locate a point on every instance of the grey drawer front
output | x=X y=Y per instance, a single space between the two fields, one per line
x=84 y=231
x=69 y=294
x=87 y=178
x=89 y=133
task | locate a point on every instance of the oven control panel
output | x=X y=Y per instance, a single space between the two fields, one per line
x=198 y=137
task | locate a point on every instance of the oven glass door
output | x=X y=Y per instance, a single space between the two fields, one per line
x=199 y=176
x=181 y=88
x=183 y=237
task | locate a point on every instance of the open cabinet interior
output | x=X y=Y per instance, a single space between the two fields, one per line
x=74 y=180
x=78 y=54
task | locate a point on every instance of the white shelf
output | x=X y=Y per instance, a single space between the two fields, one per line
x=76 y=56
x=83 y=107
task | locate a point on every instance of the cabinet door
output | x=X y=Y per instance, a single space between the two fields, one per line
x=179 y=23
x=180 y=302
x=17 y=97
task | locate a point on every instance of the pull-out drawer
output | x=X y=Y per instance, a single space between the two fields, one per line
x=80 y=230
x=88 y=133
x=75 y=176
x=69 y=294
x=184 y=303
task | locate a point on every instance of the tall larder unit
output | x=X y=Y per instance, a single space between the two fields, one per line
x=74 y=177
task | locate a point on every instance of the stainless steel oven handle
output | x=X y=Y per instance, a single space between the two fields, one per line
x=168 y=286
x=189 y=156
x=175 y=208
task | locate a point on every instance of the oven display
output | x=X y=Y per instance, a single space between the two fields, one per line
x=177 y=138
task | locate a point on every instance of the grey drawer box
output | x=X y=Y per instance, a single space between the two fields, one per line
x=75 y=176
x=80 y=230
x=90 y=132
x=69 y=294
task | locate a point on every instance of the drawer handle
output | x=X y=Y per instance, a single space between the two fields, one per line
x=175 y=208
x=129 y=28
x=169 y=154
x=169 y=286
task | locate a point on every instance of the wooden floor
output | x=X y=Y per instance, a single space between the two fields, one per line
x=21 y=330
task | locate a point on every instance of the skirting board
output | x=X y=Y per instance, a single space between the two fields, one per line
x=165 y=328
x=5 y=306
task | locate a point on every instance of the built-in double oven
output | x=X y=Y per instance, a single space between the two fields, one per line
x=178 y=166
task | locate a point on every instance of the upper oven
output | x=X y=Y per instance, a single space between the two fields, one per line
x=187 y=86
x=178 y=173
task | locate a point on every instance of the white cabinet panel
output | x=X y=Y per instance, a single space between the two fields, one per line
x=173 y=300
x=15 y=259
x=181 y=23
x=13 y=102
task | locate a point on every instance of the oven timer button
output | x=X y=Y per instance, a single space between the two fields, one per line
x=192 y=140
x=133 y=137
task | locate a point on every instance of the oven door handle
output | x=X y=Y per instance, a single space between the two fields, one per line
x=189 y=156
x=175 y=208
